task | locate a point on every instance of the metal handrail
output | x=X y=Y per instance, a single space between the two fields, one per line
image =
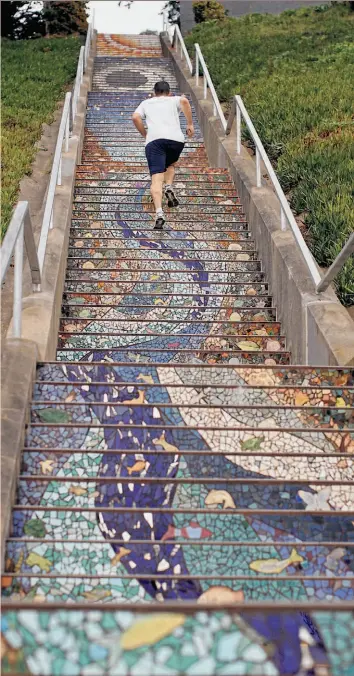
x=81 y=68
x=20 y=230
x=199 y=59
x=78 y=82
x=178 y=38
x=55 y=179
x=239 y=111
x=166 y=27
x=337 y=264
x=18 y=233
x=69 y=113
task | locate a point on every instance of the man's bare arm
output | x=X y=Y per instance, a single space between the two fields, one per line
x=138 y=121
x=187 y=112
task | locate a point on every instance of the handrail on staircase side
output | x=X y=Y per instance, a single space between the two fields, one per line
x=199 y=60
x=19 y=231
x=178 y=39
x=332 y=272
x=239 y=111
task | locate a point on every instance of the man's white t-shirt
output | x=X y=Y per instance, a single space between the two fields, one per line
x=161 y=114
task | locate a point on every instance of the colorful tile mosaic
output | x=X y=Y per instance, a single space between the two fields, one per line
x=173 y=454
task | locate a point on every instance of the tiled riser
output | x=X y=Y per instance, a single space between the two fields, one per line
x=172 y=453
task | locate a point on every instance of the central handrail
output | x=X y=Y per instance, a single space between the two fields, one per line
x=239 y=111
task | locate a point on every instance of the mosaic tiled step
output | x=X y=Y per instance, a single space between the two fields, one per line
x=244 y=262
x=224 y=642
x=182 y=216
x=128 y=212
x=279 y=378
x=92 y=187
x=229 y=340
x=91 y=306
x=175 y=354
x=214 y=174
x=153 y=264
x=246 y=415
x=102 y=306
x=299 y=397
x=217 y=325
x=125 y=188
x=161 y=278
x=87 y=229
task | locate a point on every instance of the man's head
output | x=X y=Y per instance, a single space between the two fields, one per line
x=162 y=88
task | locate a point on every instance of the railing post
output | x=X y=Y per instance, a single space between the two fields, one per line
x=196 y=69
x=238 y=129
x=59 y=172
x=337 y=264
x=67 y=133
x=283 y=219
x=258 y=169
x=18 y=273
x=205 y=87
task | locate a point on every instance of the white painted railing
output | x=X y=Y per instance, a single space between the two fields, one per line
x=179 y=43
x=207 y=83
x=166 y=27
x=69 y=112
x=77 y=86
x=238 y=111
x=20 y=233
x=55 y=179
x=20 y=230
x=332 y=272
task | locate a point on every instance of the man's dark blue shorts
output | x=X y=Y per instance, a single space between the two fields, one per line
x=161 y=153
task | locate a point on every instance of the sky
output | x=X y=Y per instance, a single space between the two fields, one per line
x=143 y=14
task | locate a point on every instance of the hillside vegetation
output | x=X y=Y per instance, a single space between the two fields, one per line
x=295 y=74
x=34 y=76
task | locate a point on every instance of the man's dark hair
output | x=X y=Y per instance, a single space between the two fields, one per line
x=161 y=87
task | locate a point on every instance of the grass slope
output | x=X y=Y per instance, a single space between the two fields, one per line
x=34 y=76
x=295 y=74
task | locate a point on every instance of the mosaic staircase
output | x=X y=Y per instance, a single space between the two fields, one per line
x=173 y=454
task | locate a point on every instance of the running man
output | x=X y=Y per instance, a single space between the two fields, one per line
x=164 y=142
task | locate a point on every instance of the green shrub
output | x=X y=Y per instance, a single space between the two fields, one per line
x=34 y=76
x=294 y=72
x=208 y=10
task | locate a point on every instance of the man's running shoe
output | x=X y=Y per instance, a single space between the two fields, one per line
x=170 y=195
x=160 y=220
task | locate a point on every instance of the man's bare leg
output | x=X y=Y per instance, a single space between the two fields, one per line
x=156 y=194
x=170 y=174
x=169 y=191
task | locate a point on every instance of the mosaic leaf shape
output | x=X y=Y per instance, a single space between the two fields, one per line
x=248 y=345
x=53 y=415
x=35 y=527
x=252 y=444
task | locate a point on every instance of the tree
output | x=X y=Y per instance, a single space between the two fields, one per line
x=148 y=32
x=208 y=10
x=21 y=20
x=173 y=8
x=64 y=18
